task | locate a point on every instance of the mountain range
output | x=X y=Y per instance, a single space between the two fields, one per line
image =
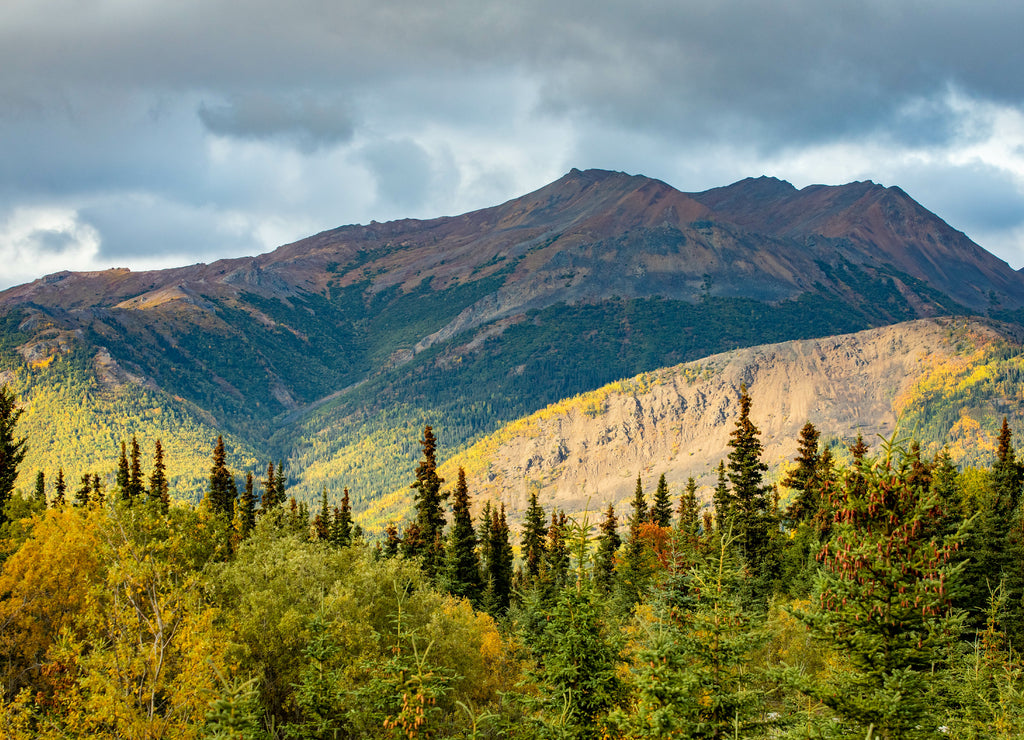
x=331 y=353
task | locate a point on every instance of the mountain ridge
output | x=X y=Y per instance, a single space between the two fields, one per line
x=486 y=316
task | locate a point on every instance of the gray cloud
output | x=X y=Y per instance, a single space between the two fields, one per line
x=198 y=129
x=305 y=121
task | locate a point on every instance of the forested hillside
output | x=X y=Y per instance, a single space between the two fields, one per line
x=883 y=599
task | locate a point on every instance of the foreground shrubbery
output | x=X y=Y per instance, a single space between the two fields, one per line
x=885 y=601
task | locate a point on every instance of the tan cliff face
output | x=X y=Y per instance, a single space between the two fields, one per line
x=584 y=453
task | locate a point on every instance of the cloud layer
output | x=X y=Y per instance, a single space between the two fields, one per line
x=152 y=132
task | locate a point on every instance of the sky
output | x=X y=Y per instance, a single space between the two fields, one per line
x=157 y=133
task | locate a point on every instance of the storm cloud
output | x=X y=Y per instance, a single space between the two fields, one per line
x=165 y=131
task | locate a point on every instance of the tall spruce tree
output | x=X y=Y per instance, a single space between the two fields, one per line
x=430 y=519
x=84 y=490
x=721 y=501
x=634 y=570
x=40 y=492
x=750 y=499
x=159 y=488
x=123 y=477
x=884 y=600
x=271 y=498
x=604 y=559
x=247 y=506
x=60 y=490
x=802 y=477
x=498 y=590
x=221 y=492
x=12 y=449
x=136 y=487
x=322 y=521
x=97 y=489
x=462 y=565
x=341 y=532
x=532 y=540
x=661 y=508
x=689 y=514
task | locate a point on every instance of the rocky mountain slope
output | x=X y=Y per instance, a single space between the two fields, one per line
x=587 y=451
x=333 y=351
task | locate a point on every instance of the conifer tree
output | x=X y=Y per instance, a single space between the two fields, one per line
x=884 y=599
x=858 y=449
x=221 y=492
x=135 y=485
x=429 y=499
x=661 y=509
x=498 y=591
x=12 y=449
x=84 y=490
x=159 y=488
x=122 y=480
x=639 y=503
x=689 y=514
x=322 y=521
x=532 y=542
x=604 y=559
x=555 y=571
x=247 y=506
x=694 y=668
x=281 y=482
x=97 y=489
x=392 y=541
x=750 y=496
x=40 y=491
x=720 y=500
x=634 y=571
x=271 y=498
x=801 y=479
x=60 y=489
x=342 y=530
x=578 y=676
x=462 y=566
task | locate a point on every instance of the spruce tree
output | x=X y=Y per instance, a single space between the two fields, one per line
x=59 y=490
x=159 y=488
x=342 y=530
x=639 y=503
x=429 y=499
x=498 y=590
x=750 y=496
x=604 y=559
x=221 y=492
x=82 y=494
x=270 y=499
x=661 y=509
x=634 y=570
x=801 y=479
x=97 y=489
x=247 y=506
x=12 y=449
x=721 y=501
x=40 y=492
x=322 y=521
x=695 y=671
x=135 y=485
x=122 y=480
x=689 y=514
x=555 y=571
x=462 y=565
x=280 y=483
x=884 y=600
x=532 y=542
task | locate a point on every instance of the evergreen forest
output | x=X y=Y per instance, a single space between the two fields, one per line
x=881 y=597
